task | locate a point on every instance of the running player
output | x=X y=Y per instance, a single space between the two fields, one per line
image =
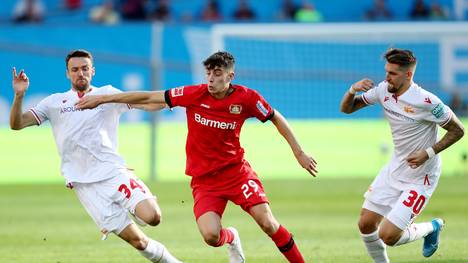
x=216 y=112
x=404 y=186
x=87 y=144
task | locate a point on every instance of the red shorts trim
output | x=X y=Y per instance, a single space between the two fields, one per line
x=238 y=184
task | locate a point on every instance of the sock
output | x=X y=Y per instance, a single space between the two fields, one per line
x=285 y=243
x=157 y=253
x=225 y=236
x=414 y=232
x=375 y=247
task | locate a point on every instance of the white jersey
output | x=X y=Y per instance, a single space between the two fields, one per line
x=86 y=139
x=413 y=118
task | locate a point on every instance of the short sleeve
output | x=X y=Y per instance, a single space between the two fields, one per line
x=259 y=107
x=41 y=110
x=180 y=96
x=434 y=110
x=119 y=106
x=371 y=97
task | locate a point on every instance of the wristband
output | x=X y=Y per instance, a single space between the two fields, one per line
x=351 y=90
x=430 y=152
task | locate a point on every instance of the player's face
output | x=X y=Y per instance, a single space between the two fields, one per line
x=80 y=72
x=396 y=77
x=218 y=79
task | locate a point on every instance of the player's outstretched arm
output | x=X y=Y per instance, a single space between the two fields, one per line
x=149 y=107
x=133 y=98
x=350 y=102
x=455 y=132
x=18 y=119
x=306 y=161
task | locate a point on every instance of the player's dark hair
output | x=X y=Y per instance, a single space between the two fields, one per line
x=78 y=53
x=402 y=57
x=219 y=59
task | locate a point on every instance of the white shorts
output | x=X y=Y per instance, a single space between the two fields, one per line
x=399 y=202
x=108 y=202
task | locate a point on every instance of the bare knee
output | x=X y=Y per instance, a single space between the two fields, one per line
x=211 y=238
x=268 y=225
x=389 y=238
x=367 y=226
x=149 y=212
x=155 y=219
x=152 y=218
x=264 y=218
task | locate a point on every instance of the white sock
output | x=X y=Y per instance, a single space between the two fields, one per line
x=157 y=253
x=414 y=232
x=375 y=247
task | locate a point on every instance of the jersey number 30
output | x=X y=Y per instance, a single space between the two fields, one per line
x=415 y=201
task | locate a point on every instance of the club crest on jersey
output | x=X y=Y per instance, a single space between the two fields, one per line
x=235 y=109
x=176 y=92
x=408 y=109
x=428 y=100
x=385 y=99
x=263 y=110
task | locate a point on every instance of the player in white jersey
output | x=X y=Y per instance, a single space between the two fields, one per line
x=403 y=187
x=87 y=143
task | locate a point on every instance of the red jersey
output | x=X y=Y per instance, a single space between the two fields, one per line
x=214 y=125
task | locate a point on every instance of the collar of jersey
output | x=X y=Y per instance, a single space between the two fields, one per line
x=80 y=95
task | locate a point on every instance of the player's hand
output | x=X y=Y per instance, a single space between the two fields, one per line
x=89 y=102
x=417 y=158
x=307 y=162
x=20 y=82
x=363 y=85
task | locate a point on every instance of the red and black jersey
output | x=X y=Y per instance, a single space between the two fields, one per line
x=214 y=125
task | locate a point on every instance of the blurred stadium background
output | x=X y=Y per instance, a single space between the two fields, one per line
x=301 y=67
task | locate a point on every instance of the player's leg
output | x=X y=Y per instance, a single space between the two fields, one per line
x=148 y=212
x=369 y=220
x=136 y=198
x=280 y=235
x=209 y=205
x=398 y=228
x=376 y=206
x=103 y=201
x=150 y=249
x=141 y=203
x=209 y=225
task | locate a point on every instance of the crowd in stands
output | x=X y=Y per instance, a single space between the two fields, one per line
x=114 y=11
x=419 y=11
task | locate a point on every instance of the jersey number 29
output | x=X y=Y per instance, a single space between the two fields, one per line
x=249 y=188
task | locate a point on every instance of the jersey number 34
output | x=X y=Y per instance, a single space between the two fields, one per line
x=133 y=184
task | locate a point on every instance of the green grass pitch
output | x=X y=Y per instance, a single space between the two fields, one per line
x=46 y=223
x=42 y=221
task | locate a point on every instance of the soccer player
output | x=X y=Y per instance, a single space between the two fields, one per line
x=403 y=187
x=87 y=144
x=216 y=112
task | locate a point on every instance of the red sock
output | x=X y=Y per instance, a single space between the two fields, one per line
x=285 y=243
x=225 y=236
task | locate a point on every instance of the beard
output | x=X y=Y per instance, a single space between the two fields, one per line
x=392 y=89
x=81 y=85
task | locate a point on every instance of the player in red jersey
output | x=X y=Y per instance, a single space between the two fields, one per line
x=216 y=112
